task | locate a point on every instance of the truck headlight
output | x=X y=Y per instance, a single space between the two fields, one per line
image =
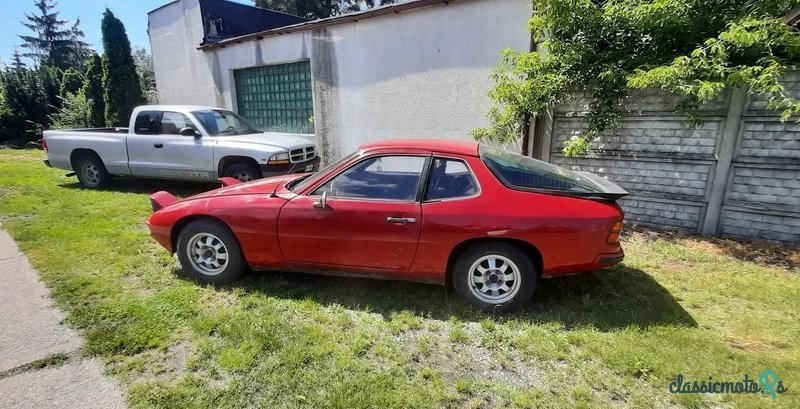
x=278 y=159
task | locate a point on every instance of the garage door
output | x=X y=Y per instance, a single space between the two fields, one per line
x=276 y=97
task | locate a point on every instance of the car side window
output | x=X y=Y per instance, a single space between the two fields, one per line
x=146 y=123
x=378 y=178
x=450 y=178
x=173 y=122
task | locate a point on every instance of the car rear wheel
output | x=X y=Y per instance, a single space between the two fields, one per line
x=243 y=172
x=91 y=172
x=495 y=277
x=209 y=252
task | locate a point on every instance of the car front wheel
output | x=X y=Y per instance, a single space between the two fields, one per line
x=494 y=277
x=210 y=253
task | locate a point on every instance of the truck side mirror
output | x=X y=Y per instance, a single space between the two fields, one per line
x=189 y=131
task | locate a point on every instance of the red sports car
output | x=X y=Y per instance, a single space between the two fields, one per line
x=487 y=221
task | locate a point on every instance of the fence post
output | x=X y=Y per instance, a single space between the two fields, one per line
x=542 y=141
x=726 y=149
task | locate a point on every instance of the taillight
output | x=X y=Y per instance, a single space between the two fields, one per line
x=613 y=236
x=44 y=144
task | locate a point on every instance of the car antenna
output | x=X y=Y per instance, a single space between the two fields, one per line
x=273 y=194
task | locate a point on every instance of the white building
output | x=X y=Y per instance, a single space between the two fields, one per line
x=420 y=68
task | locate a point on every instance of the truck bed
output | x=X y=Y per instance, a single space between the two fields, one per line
x=106 y=130
x=108 y=143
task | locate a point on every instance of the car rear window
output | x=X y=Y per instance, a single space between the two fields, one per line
x=524 y=172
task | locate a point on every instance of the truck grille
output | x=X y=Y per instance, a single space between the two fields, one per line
x=302 y=154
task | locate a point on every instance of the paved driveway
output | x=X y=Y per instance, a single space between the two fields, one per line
x=31 y=335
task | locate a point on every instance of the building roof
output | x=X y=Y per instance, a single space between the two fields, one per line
x=351 y=17
x=457 y=146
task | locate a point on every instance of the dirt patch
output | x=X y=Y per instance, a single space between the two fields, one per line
x=764 y=253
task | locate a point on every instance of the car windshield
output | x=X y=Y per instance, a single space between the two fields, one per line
x=298 y=185
x=218 y=122
x=528 y=173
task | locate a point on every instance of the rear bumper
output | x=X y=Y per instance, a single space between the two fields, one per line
x=297 y=167
x=608 y=260
x=601 y=261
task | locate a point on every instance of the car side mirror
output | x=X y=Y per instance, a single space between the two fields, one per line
x=322 y=203
x=189 y=131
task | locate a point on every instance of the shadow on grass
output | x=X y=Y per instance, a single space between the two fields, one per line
x=138 y=185
x=606 y=300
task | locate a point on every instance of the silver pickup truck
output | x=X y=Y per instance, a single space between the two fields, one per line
x=178 y=142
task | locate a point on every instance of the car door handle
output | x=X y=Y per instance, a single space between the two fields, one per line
x=158 y=145
x=401 y=220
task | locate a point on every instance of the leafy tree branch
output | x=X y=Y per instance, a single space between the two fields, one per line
x=697 y=49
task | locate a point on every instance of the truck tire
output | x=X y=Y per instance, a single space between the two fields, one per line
x=244 y=172
x=91 y=171
x=210 y=253
x=494 y=277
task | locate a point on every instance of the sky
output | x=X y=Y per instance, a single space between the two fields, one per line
x=133 y=14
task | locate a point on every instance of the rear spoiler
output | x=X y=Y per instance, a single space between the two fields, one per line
x=608 y=189
x=162 y=199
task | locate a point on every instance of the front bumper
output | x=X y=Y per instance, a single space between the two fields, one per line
x=311 y=165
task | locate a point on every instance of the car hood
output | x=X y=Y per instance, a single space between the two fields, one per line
x=256 y=187
x=279 y=140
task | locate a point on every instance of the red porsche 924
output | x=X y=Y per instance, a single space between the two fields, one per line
x=487 y=221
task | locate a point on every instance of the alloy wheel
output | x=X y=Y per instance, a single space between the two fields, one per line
x=494 y=279
x=207 y=253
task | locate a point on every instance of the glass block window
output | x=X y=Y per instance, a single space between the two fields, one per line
x=276 y=97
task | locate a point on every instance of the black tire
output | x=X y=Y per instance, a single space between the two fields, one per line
x=91 y=172
x=519 y=293
x=198 y=267
x=243 y=172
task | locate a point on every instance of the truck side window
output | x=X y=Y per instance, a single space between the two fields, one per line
x=146 y=123
x=173 y=122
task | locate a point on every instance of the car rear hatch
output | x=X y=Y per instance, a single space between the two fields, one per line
x=525 y=173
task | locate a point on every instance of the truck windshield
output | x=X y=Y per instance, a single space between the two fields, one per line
x=219 y=122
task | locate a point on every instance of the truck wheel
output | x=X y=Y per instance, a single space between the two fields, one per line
x=92 y=174
x=210 y=253
x=495 y=277
x=244 y=172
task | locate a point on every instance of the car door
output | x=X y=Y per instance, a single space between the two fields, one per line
x=157 y=149
x=370 y=220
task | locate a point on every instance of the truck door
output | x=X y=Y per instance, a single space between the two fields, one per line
x=157 y=149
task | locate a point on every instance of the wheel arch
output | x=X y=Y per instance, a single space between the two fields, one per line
x=78 y=152
x=184 y=221
x=229 y=160
x=526 y=247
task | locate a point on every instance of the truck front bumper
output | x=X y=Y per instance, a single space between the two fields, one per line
x=47 y=163
x=311 y=165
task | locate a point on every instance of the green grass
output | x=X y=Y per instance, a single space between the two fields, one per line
x=616 y=338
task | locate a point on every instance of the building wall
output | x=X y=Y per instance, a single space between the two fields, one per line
x=182 y=74
x=736 y=175
x=423 y=72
